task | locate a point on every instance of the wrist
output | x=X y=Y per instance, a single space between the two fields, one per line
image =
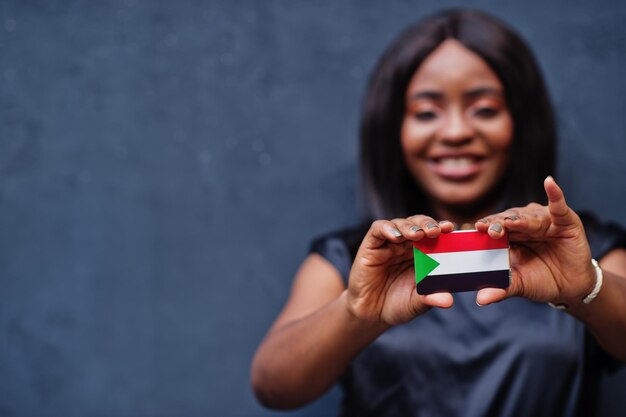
x=591 y=294
x=357 y=318
x=598 y=283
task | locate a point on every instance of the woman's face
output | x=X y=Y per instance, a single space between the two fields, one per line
x=457 y=130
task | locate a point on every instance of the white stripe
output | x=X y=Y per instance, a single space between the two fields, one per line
x=470 y=261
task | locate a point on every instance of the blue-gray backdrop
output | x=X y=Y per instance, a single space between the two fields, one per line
x=163 y=166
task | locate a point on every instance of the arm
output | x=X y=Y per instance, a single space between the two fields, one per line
x=312 y=341
x=606 y=315
x=551 y=262
x=324 y=325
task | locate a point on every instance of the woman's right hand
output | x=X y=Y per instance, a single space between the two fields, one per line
x=382 y=280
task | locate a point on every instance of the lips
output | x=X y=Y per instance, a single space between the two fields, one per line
x=456 y=167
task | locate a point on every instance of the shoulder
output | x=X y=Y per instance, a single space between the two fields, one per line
x=603 y=237
x=339 y=247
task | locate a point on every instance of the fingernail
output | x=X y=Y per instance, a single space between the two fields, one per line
x=396 y=233
x=483 y=221
x=496 y=227
x=432 y=225
x=514 y=217
x=415 y=228
x=479 y=304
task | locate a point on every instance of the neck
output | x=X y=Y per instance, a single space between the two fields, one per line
x=466 y=214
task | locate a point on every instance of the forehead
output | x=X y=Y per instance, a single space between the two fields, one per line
x=451 y=68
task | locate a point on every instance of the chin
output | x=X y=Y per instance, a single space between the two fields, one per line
x=459 y=201
x=466 y=200
x=460 y=195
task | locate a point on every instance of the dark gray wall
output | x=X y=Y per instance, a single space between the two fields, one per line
x=163 y=166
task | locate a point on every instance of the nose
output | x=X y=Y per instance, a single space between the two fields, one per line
x=456 y=130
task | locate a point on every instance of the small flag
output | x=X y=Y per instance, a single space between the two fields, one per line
x=466 y=260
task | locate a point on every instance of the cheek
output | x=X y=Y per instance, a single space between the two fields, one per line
x=414 y=137
x=500 y=134
x=501 y=139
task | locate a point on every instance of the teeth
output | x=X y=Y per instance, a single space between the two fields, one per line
x=462 y=162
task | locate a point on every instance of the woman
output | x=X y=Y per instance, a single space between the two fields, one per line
x=456 y=125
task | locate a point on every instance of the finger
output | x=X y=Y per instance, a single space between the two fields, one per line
x=380 y=232
x=518 y=223
x=409 y=229
x=446 y=226
x=495 y=225
x=514 y=221
x=420 y=219
x=533 y=220
x=441 y=300
x=557 y=205
x=482 y=225
x=430 y=227
x=496 y=230
x=488 y=296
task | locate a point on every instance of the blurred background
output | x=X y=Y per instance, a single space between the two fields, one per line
x=164 y=166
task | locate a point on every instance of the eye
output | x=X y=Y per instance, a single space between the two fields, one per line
x=425 y=116
x=485 y=112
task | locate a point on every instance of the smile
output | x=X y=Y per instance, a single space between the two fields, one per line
x=456 y=167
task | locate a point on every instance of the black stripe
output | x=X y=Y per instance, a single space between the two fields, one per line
x=470 y=281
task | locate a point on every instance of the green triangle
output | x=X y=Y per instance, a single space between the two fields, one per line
x=424 y=265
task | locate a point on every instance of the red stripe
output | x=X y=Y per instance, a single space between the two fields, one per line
x=460 y=242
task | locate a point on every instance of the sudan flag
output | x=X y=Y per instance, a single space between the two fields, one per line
x=466 y=260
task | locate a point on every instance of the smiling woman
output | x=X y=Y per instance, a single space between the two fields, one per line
x=457 y=131
x=390 y=188
x=456 y=125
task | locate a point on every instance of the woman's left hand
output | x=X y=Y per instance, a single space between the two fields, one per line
x=549 y=253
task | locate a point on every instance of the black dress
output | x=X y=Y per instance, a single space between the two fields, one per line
x=514 y=358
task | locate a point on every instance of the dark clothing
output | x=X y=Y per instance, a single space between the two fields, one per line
x=514 y=358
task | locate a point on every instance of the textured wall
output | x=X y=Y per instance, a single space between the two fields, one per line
x=163 y=166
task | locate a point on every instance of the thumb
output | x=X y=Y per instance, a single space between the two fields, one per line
x=557 y=206
x=441 y=300
x=491 y=295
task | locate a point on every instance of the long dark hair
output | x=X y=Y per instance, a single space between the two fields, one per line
x=388 y=187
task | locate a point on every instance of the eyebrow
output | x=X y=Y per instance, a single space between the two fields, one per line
x=482 y=91
x=427 y=94
x=471 y=94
